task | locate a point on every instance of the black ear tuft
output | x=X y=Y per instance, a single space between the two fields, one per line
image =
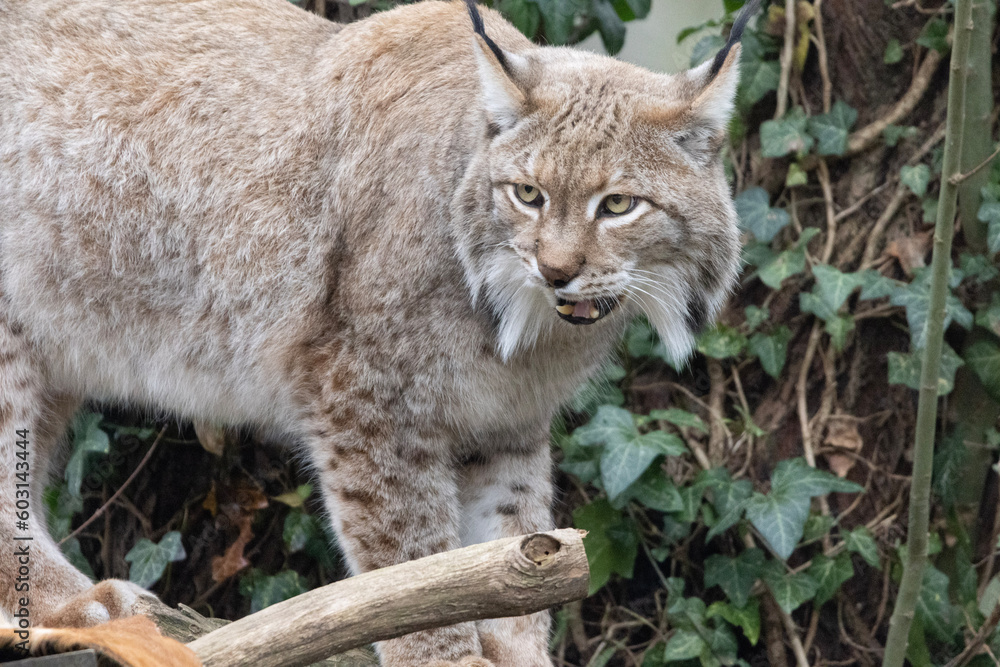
x=477 y=26
x=749 y=9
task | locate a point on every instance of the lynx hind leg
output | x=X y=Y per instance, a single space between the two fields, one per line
x=36 y=580
x=504 y=494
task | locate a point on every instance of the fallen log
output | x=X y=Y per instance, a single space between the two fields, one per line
x=508 y=577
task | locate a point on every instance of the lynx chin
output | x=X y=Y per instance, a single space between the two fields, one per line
x=403 y=243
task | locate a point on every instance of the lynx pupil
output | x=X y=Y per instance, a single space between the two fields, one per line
x=617 y=204
x=529 y=194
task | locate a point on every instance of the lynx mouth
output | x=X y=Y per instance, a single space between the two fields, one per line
x=587 y=311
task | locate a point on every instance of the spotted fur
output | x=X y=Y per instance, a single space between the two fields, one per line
x=240 y=212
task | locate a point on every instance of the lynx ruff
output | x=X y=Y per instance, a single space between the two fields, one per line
x=402 y=243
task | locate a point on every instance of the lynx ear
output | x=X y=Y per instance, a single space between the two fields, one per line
x=715 y=83
x=499 y=71
x=713 y=106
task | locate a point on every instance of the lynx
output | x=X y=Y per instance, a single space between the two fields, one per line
x=402 y=242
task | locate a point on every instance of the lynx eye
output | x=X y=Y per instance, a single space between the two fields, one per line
x=529 y=194
x=617 y=204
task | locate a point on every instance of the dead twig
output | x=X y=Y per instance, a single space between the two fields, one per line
x=787 y=57
x=866 y=137
x=106 y=505
x=509 y=577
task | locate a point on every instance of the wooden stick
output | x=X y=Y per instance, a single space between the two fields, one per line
x=868 y=135
x=508 y=577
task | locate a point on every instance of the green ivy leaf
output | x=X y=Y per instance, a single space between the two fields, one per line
x=691 y=496
x=789 y=590
x=722 y=647
x=609 y=425
x=149 y=560
x=756 y=316
x=656 y=491
x=71 y=549
x=523 y=14
x=876 y=286
x=735 y=576
x=796 y=477
x=627 y=454
x=640 y=8
x=684 y=645
x=829 y=574
x=784 y=265
x=934 y=608
x=601 y=389
x=299 y=530
x=983 y=357
x=721 y=342
x=816 y=526
x=705 y=48
x=989 y=212
x=779 y=519
x=935 y=35
x=680 y=418
x=904 y=368
x=916 y=178
x=832 y=129
x=265 y=591
x=746 y=618
x=755 y=253
x=623 y=462
x=558 y=17
x=780 y=516
x=760 y=71
x=771 y=349
x=88 y=438
x=991 y=596
x=810 y=302
x=861 y=542
x=916 y=298
x=62 y=506
x=785 y=135
x=839 y=328
x=951 y=460
x=796 y=176
x=695 y=29
x=893 y=52
x=833 y=286
x=758 y=217
x=977 y=268
x=640 y=339
x=930 y=207
x=988 y=316
x=892 y=134
x=611 y=543
x=775 y=267
x=728 y=498
x=610 y=25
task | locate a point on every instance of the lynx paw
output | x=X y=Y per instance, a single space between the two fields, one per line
x=469 y=661
x=102 y=602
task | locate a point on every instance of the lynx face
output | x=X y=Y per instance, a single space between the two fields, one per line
x=609 y=197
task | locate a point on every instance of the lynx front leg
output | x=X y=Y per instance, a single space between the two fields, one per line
x=506 y=493
x=36 y=580
x=392 y=498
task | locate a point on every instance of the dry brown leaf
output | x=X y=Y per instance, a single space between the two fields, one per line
x=910 y=251
x=211 y=503
x=233 y=560
x=842 y=433
x=211 y=437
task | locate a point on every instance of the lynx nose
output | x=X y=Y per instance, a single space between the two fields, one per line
x=558 y=276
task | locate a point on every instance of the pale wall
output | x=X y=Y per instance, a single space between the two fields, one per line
x=652 y=42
